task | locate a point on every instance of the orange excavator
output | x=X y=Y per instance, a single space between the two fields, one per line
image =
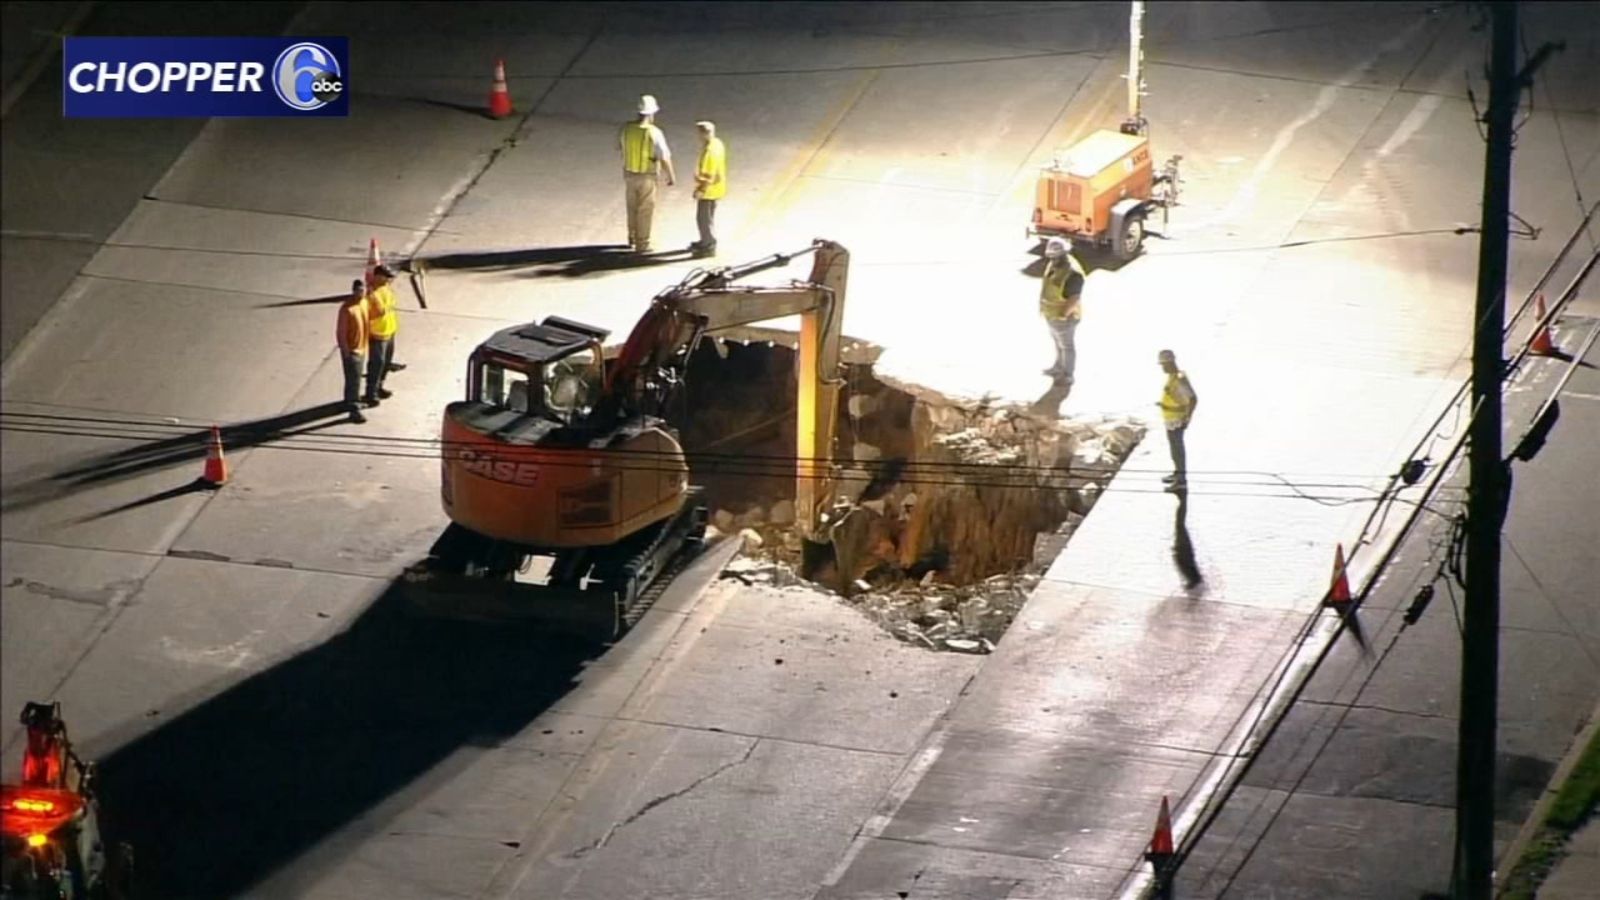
x=561 y=453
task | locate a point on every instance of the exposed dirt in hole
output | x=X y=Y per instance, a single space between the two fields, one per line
x=947 y=513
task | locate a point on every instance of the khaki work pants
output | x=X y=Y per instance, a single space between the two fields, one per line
x=641 y=193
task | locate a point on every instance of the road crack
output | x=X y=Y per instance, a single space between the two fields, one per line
x=664 y=798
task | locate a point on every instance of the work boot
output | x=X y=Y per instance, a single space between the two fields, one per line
x=356 y=417
x=396 y=367
x=1177 y=487
x=385 y=393
x=1169 y=479
x=369 y=402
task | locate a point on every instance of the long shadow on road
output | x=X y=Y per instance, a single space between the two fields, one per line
x=150 y=456
x=521 y=258
x=545 y=262
x=234 y=789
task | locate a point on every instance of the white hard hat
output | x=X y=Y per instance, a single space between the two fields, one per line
x=647 y=105
x=1056 y=247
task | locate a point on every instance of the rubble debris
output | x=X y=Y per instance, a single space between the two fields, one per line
x=750 y=540
x=948 y=511
x=781 y=514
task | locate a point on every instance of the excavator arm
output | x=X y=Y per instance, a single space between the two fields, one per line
x=709 y=301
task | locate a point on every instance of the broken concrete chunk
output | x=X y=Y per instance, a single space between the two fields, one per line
x=751 y=539
x=863 y=405
x=972 y=612
x=782 y=513
x=864 y=452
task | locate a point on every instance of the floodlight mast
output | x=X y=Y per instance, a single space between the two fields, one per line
x=1135 y=120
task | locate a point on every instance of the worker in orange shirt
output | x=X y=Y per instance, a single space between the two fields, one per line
x=351 y=334
x=382 y=323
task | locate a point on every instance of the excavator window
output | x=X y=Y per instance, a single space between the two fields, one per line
x=502 y=387
x=571 y=385
x=517 y=396
x=564 y=389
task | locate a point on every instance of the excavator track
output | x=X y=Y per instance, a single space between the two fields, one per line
x=639 y=580
x=626 y=578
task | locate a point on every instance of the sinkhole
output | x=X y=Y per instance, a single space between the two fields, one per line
x=946 y=511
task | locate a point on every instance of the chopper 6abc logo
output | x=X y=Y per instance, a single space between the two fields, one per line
x=306 y=77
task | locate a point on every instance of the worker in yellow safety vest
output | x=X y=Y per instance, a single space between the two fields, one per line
x=1059 y=303
x=644 y=152
x=710 y=185
x=383 y=322
x=1177 y=403
x=350 y=333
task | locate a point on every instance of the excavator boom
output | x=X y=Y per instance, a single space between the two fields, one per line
x=819 y=301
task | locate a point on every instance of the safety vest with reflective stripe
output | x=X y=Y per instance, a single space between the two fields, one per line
x=712 y=172
x=1177 y=400
x=381 y=317
x=1059 y=291
x=639 y=147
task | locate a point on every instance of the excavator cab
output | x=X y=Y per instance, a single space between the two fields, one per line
x=553 y=370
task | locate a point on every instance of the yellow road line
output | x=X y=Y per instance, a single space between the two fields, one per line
x=813 y=150
x=1065 y=130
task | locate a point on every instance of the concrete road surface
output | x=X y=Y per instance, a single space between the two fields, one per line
x=276 y=726
x=1354 y=795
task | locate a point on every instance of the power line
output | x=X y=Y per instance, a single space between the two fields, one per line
x=179 y=438
x=1561 y=134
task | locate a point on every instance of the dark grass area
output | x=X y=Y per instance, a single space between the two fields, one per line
x=1575 y=803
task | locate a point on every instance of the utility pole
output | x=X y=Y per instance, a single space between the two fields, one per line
x=1486 y=496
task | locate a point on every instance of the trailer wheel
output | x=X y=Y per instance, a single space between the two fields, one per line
x=1129 y=239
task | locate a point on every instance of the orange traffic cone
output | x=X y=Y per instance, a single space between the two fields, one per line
x=1339 y=592
x=1161 y=843
x=1161 y=852
x=499 y=96
x=216 y=466
x=372 y=261
x=1544 y=343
